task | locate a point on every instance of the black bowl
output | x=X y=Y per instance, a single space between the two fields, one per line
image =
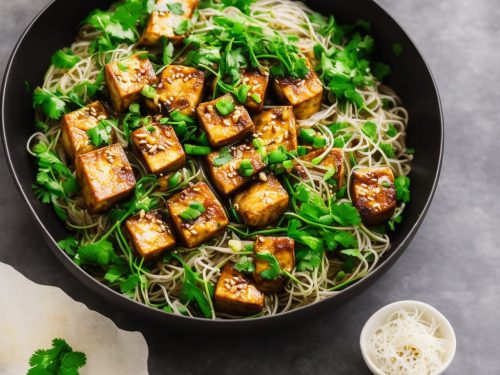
x=56 y=26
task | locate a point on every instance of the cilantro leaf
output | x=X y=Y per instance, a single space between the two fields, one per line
x=121 y=23
x=402 y=184
x=183 y=27
x=59 y=359
x=148 y=92
x=129 y=285
x=100 y=252
x=308 y=259
x=191 y=289
x=176 y=8
x=352 y=253
x=51 y=104
x=245 y=264
x=168 y=52
x=274 y=270
x=223 y=157
x=102 y=133
x=64 y=59
x=345 y=214
x=346 y=239
x=69 y=244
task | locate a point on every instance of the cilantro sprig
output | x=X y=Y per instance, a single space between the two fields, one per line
x=55 y=183
x=60 y=359
x=194 y=288
x=343 y=70
x=64 y=59
x=120 y=23
x=102 y=133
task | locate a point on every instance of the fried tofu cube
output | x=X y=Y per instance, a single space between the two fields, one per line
x=222 y=129
x=373 y=194
x=126 y=78
x=262 y=203
x=333 y=160
x=150 y=234
x=180 y=88
x=208 y=224
x=164 y=20
x=305 y=95
x=276 y=127
x=258 y=87
x=236 y=294
x=159 y=147
x=74 y=126
x=224 y=167
x=283 y=248
x=105 y=176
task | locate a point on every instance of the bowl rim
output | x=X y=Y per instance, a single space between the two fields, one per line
x=92 y=283
x=404 y=304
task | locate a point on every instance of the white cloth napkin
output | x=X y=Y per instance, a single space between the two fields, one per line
x=31 y=315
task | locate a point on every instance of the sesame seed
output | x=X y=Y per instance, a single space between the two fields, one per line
x=261 y=239
x=262 y=176
x=236 y=116
x=193 y=232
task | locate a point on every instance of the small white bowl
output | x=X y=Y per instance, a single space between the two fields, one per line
x=380 y=317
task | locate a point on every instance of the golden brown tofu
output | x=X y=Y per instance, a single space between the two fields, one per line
x=258 y=87
x=224 y=129
x=74 y=126
x=334 y=159
x=126 y=78
x=236 y=294
x=283 y=248
x=105 y=176
x=262 y=203
x=208 y=224
x=305 y=95
x=149 y=233
x=159 y=147
x=373 y=194
x=224 y=167
x=164 y=21
x=180 y=88
x=276 y=127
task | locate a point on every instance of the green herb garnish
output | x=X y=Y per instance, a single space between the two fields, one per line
x=102 y=133
x=58 y=360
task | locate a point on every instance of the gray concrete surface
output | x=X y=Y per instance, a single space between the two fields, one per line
x=453 y=262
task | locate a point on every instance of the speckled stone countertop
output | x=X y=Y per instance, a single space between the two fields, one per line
x=453 y=263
